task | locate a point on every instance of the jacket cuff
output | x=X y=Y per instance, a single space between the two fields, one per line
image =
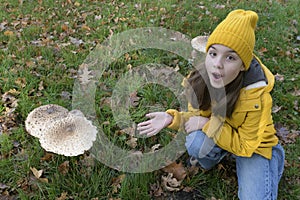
x=175 y=124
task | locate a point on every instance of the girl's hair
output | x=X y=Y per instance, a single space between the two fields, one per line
x=203 y=96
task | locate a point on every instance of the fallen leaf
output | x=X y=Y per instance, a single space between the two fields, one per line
x=64 y=167
x=285 y=135
x=37 y=173
x=21 y=82
x=192 y=171
x=63 y=196
x=3 y=186
x=296 y=93
x=218 y=6
x=177 y=169
x=85 y=27
x=77 y=4
x=132 y=142
x=76 y=41
x=170 y=183
x=47 y=157
x=44 y=180
x=276 y=109
x=85 y=77
x=64 y=27
x=279 y=77
x=8 y=33
x=41 y=86
x=156 y=190
x=116 y=182
x=263 y=50
x=134 y=99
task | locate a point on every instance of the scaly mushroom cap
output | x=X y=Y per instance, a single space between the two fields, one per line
x=38 y=119
x=70 y=136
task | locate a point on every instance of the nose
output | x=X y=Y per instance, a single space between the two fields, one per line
x=218 y=63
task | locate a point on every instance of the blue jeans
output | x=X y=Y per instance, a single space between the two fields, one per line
x=258 y=177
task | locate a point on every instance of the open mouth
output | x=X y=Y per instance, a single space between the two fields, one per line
x=217 y=75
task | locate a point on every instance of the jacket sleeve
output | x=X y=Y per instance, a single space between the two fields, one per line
x=179 y=118
x=245 y=139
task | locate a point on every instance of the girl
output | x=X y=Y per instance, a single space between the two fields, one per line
x=238 y=122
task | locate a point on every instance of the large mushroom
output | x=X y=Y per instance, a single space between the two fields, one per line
x=38 y=119
x=70 y=136
x=60 y=131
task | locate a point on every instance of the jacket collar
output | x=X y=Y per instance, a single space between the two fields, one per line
x=254 y=74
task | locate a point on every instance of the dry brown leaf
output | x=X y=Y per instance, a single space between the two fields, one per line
x=263 y=50
x=296 y=93
x=64 y=167
x=134 y=99
x=177 y=169
x=220 y=6
x=21 y=82
x=170 y=183
x=279 y=77
x=63 y=196
x=44 y=180
x=41 y=86
x=64 y=28
x=276 y=109
x=47 y=157
x=132 y=142
x=8 y=33
x=156 y=190
x=285 y=135
x=85 y=27
x=116 y=182
x=37 y=173
x=86 y=76
x=77 y=4
x=193 y=170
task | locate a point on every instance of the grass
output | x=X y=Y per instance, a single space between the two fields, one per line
x=39 y=61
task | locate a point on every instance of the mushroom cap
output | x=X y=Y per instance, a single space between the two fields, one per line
x=70 y=136
x=38 y=119
x=199 y=43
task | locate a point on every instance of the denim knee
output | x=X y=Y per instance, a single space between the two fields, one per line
x=204 y=149
x=193 y=143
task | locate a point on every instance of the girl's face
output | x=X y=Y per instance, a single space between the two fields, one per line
x=223 y=65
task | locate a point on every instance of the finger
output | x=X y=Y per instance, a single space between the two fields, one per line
x=186 y=125
x=147 y=131
x=141 y=128
x=154 y=132
x=151 y=115
x=187 y=130
x=145 y=123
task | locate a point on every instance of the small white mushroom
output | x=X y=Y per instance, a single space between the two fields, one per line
x=199 y=43
x=70 y=136
x=38 y=119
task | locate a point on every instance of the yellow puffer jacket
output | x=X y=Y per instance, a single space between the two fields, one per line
x=249 y=130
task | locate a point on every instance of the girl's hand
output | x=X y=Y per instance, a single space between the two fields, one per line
x=158 y=121
x=195 y=123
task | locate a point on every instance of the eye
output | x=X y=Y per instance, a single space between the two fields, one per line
x=212 y=53
x=231 y=58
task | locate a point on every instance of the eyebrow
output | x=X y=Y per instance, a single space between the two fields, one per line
x=230 y=51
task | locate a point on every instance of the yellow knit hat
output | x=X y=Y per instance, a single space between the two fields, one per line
x=236 y=31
